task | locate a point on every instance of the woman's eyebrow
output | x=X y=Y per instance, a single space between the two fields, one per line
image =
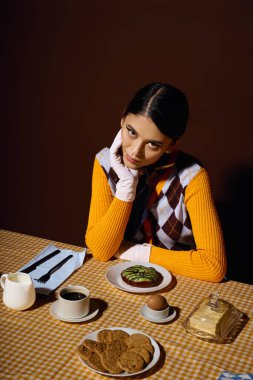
x=156 y=142
x=130 y=126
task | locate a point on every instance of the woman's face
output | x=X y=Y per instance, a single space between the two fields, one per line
x=142 y=142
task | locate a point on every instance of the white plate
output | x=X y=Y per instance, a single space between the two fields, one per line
x=145 y=315
x=156 y=355
x=113 y=276
x=54 y=312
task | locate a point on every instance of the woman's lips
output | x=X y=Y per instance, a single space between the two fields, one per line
x=130 y=159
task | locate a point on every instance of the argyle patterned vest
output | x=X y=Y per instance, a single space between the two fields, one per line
x=165 y=222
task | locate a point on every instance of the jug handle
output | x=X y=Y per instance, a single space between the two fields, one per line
x=3 y=278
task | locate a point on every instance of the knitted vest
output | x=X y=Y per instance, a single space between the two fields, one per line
x=167 y=217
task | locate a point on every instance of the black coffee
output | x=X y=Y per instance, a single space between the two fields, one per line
x=73 y=296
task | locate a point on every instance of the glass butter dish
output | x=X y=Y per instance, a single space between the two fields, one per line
x=213 y=319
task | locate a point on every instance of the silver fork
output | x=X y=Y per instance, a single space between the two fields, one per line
x=43 y=279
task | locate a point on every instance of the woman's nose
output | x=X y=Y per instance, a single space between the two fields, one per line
x=137 y=149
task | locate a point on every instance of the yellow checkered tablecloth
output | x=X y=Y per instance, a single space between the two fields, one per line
x=34 y=345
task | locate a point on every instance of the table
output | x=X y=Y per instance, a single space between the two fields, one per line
x=34 y=345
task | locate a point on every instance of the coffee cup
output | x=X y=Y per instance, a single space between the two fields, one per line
x=74 y=301
x=19 y=291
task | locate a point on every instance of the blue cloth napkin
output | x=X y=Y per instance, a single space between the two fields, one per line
x=240 y=376
x=61 y=275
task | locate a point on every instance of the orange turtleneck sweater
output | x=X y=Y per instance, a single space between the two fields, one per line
x=108 y=218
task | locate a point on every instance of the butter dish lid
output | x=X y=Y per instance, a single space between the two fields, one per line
x=213 y=319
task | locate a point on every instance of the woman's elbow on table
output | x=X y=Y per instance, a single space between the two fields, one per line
x=100 y=257
x=216 y=275
x=214 y=271
x=99 y=252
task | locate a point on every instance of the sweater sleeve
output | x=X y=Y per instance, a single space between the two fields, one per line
x=208 y=261
x=108 y=217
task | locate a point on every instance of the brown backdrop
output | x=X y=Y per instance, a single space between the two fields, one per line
x=69 y=67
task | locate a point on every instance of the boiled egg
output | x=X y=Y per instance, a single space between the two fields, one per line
x=157 y=302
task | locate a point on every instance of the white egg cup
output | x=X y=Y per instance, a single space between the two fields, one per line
x=158 y=314
x=170 y=316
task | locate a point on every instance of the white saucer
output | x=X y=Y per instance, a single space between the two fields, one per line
x=144 y=313
x=55 y=313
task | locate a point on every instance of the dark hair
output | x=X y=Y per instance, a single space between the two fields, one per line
x=166 y=106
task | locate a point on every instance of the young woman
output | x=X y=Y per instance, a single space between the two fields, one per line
x=150 y=201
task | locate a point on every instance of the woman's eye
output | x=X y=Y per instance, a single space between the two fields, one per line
x=154 y=145
x=131 y=132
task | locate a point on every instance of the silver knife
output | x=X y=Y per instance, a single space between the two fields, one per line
x=47 y=275
x=33 y=266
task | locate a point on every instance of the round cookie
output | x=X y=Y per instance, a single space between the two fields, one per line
x=92 y=358
x=100 y=347
x=117 y=345
x=135 y=339
x=147 y=346
x=110 y=356
x=104 y=336
x=119 y=335
x=89 y=344
x=140 y=337
x=95 y=346
x=145 y=354
x=131 y=362
x=83 y=351
x=95 y=362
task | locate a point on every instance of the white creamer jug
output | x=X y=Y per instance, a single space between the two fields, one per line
x=19 y=291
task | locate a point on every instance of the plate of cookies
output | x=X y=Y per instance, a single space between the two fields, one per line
x=138 y=277
x=118 y=351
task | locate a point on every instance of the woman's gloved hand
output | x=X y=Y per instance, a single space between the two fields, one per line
x=134 y=252
x=128 y=178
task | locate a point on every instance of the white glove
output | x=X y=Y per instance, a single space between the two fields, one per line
x=134 y=252
x=128 y=178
